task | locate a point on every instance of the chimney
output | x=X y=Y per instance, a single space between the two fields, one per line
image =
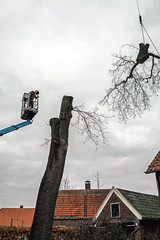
x=21 y=206
x=87 y=185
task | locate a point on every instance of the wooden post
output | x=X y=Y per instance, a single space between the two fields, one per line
x=44 y=212
x=158 y=182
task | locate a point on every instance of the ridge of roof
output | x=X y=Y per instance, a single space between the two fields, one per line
x=130 y=191
x=10 y=208
x=83 y=191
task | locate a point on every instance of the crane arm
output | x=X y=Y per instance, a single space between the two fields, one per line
x=14 y=127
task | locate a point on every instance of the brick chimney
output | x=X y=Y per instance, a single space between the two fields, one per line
x=154 y=167
x=87 y=185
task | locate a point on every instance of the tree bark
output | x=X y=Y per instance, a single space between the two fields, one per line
x=44 y=212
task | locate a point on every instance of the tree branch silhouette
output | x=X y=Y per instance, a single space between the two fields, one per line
x=91 y=123
x=133 y=84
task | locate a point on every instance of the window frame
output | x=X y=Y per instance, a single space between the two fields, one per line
x=116 y=203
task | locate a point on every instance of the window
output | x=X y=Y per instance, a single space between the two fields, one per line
x=67 y=216
x=115 y=210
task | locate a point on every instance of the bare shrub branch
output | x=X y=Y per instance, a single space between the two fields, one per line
x=133 y=84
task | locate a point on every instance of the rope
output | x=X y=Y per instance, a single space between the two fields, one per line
x=150 y=39
x=143 y=28
x=140 y=20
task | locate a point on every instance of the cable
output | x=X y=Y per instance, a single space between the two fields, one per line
x=143 y=28
x=138 y=7
x=150 y=39
x=140 y=20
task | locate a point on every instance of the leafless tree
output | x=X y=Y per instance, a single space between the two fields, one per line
x=44 y=212
x=97 y=176
x=66 y=185
x=134 y=82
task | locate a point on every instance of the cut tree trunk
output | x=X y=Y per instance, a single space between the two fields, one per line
x=44 y=212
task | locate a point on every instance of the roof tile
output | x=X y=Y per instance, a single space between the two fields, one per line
x=70 y=204
x=79 y=203
x=147 y=205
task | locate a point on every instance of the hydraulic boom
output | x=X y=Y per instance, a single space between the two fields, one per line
x=14 y=127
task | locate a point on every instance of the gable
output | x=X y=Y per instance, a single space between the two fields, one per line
x=115 y=196
x=116 y=204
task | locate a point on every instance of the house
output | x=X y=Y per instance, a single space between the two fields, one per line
x=138 y=212
x=73 y=207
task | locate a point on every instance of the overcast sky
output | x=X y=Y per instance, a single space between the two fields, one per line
x=65 y=48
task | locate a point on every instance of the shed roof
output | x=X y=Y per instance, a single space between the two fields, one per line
x=155 y=164
x=147 y=205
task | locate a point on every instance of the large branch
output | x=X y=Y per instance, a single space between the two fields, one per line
x=154 y=55
x=133 y=83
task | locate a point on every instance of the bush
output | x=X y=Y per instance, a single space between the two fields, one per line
x=22 y=233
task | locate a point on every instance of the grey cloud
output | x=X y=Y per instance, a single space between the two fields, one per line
x=64 y=48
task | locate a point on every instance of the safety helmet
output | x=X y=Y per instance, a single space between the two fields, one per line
x=36 y=91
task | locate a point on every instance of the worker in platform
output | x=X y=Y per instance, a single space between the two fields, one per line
x=33 y=95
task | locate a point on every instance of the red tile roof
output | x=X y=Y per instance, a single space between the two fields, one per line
x=70 y=204
x=79 y=203
x=155 y=164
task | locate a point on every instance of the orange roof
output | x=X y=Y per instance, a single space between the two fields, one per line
x=16 y=217
x=155 y=164
x=70 y=204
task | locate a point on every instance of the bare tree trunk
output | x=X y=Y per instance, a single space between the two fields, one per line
x=44 y=212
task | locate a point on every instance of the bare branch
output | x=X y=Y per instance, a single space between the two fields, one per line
x=133 y=84
x=46 y=142
x=153 y=55
x=91 y=123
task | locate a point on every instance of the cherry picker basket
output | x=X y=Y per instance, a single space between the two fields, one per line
x=29 y=107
